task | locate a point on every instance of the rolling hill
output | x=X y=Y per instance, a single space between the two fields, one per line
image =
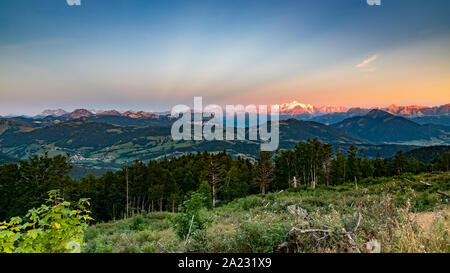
x=296 y=130
x=11 y=126
x=82 y=133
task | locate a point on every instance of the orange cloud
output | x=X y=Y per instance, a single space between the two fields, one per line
x=367 y=61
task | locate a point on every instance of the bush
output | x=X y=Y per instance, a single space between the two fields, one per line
x=56 y=227
x=260 y=236
x=246 y=203
x=190 y=217
x=137 y=223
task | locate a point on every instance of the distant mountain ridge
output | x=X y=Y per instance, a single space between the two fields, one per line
x=55 y=112
x=439 y=115
x=418 y=110
x=79 y=113
x=293 y=108
x=379 y=127
x=296 y=108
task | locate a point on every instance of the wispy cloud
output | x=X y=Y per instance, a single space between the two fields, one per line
x=367 y=61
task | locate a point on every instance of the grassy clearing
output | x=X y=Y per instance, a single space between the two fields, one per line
x=392 y=213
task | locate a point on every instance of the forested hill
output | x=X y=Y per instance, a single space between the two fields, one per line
x=428 y=154
x=163 y=185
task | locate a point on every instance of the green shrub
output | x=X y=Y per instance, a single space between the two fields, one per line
x=190 y=217
x=55 y=227
x=260 y=236
x=137 y=223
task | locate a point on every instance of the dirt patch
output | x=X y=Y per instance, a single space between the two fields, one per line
x=427 y=220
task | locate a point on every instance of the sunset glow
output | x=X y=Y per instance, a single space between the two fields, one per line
x=151 y=55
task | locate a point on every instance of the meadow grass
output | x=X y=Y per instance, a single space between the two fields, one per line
x=392 y=214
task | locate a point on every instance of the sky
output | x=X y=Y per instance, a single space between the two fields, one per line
x=153 y=54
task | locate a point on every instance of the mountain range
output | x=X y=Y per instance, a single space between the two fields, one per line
x=439 y=115
x=296 y=108
x=330 y=114
x=109 y=139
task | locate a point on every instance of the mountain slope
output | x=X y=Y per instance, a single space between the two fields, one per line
x=141 y=120
x=381 y=127
x=10 y=126
x=438 y=120
x=296 y=130
x=332 y=118
x=427 y=154
x=82 y=133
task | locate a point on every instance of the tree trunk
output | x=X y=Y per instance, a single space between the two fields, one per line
x=213 y=184
x=213 y=191
x=126 y=180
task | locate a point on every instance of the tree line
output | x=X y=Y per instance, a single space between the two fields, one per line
x=163 y=185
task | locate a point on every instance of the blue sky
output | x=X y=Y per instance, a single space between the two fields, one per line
x=151 y=55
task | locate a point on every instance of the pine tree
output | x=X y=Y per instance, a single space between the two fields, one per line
x=264 y=168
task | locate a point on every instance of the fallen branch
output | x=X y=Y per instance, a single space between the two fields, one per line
x=426 y=184
x=189 y=232
x=358 y=220
x=352 y=242
x=429 y=185
x=444 y=194
x=421 y=182
x=302 y=231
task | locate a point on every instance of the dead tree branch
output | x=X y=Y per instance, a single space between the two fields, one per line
x=444 y=194
x=358 y=218
x=352 y=242
x=189 y=232
x=295 y=230
x=429 y=185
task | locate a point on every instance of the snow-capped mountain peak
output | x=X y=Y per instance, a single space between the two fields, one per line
x=297 y=107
